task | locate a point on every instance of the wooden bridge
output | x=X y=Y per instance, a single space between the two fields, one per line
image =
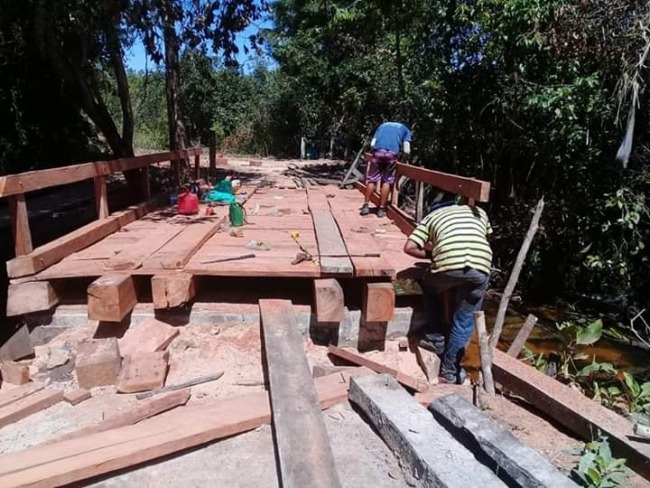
x=150 y=250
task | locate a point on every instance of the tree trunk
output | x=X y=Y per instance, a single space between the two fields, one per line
x=117 y=60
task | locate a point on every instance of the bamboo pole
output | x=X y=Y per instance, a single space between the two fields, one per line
x=514 y=276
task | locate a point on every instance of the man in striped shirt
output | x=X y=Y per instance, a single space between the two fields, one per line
x=460 y=260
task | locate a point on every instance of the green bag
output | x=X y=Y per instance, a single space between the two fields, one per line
x=237 y=214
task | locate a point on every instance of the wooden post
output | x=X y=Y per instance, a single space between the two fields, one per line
x=101 y=197
x=394 y=198
x=329 y=303
x=20 y=224
x=212 y=142
x=197 y=166
x=419 y=199
x=144 y=183
x=518 y=344
x=484 y=350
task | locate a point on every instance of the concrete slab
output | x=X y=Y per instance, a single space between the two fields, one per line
x=428 y=454
x=514 y=462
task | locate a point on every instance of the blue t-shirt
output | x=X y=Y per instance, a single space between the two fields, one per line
x=390 y=136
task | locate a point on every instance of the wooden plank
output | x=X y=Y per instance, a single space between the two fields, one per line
x=73 y=460
x=75 y=397
x=173 y=290
x=329 y=302
x=358 y=359
x=18 y=346
x=467 y=187
x=135 y=414
x=522 y=336
x=149 y=336
x=31 y=296
x=111 y=298
x=401 y=220
x=53 y=252
x=569 y=407
x=24 y=407
x=302 y=445
x=14 y=373
x=143 y=372
x=11 y=396
x=133 y=256
x=20 y=225
x=378 y=302
x=101 y=197
x=47 y=178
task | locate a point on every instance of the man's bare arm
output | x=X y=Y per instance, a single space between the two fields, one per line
x=412 y=249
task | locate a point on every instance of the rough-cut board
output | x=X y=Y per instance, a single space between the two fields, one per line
x=378 y=302
x=358 y=359
x=572 y=409
x=135 y=414
x=143 y=372
x=428 y=454
x=14 y=373
x=73 y=460
x=513 y=461
x=150 y=335
x=53 y=252
x=31 y=296
x=18 y=346
x=15 y=394
x=522 y=336
x=468 y=187
x=20 y=225
x=302 y=445
x=328 y=300
x=28 y=405
x=111 y=298
x=173 y=290
x=75 y=397
x=133 y=256
x=401 y=220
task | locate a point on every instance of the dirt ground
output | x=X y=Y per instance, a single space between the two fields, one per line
x=248 y=459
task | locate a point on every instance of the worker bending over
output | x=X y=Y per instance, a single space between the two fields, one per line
x=460 y=261
x=391 y=140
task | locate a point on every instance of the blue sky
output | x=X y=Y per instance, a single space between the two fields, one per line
x=137 y=59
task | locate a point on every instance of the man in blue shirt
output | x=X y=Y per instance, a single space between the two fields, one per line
x=391 y=140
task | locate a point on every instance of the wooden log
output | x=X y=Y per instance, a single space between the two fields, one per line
x=111 y=298
x=581 y=415
x=73 y=460
x=173 y=290
x=143 y=372
x=484 y=351
x=14 y=373
x=328 y=300
x=46 y=178
x=134 y=415
x=359 y=360
x=514 y=275
x=101 y=197
x=53 y=252
x=20 y=225
x=519 y=342
x=378 y=302
x=295 y=402
x=31 y=296
x=28 y=405
x=18 y=346
x=11 y=396
x=149 y=336
x=459 y=185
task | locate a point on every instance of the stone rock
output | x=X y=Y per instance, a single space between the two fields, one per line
x=57 y=357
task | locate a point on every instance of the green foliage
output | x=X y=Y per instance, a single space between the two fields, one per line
x=598 y=468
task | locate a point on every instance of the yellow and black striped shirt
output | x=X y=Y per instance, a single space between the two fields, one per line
x=458 y=234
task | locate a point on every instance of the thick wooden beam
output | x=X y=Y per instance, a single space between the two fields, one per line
x=53 y=252
x=569 y=407
x=328 y=300
x=101 y=197
x=14 y=373
x=173 y=290
x=20 y=225
x=305 y=460
x=467 y=187
x=111 y=298
x=66 y=462
x=378 y=302
x=31 y=296
x=28 y=405
x=46 y=178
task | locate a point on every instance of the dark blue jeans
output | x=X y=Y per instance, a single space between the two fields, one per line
x=470 y=286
